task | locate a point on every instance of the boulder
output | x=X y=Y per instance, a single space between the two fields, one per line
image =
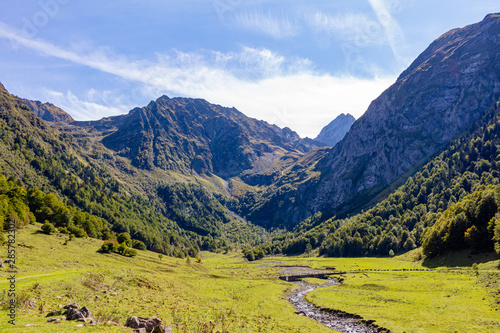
x=150 y=325
x=74 y=314
x=72 y=305
x=86 y=312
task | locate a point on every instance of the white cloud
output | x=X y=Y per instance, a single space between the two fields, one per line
x=392 y=29
x=287 y=92
x=360 y=29
x=79 y=109
x=276 y=26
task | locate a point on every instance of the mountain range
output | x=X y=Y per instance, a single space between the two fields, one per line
x=204 y=171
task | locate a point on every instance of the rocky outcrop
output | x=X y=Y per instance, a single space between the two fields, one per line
x=335 y=130
x=48 y=111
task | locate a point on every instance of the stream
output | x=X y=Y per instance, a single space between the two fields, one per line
x=336 y=320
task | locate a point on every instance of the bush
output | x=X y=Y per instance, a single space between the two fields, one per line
x=76 y=231
x=108 y=247
x=48 y=228
x=139 y=245
x=121 y=249
x=250 y=255
x=124 y=237
x=130 y=252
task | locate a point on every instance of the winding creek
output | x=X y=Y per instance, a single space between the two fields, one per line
x=336 y=320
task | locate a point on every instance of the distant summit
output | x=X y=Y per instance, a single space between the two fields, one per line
x=335 y=130
x=48 y=111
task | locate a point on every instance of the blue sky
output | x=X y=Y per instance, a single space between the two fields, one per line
x=292 y=63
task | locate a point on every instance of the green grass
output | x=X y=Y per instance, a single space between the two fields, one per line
x=250 y=298
x=246 y=296
x=444 y=300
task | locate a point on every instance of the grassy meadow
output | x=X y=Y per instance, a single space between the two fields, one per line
x=235 y=294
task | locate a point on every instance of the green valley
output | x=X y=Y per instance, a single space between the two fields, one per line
x=238 y=295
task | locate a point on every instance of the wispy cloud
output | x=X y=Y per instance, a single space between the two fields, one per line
x=271 y=24
x=392 y=29
x=358 y=28
x=80 y=109
x=288 y=92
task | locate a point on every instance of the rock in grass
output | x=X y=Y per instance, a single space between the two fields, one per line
x=74 y=314
x=72 y=305
x=55 y=320
x=86 y=312
x=150 y=325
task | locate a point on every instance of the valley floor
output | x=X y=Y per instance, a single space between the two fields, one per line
x=241 y=296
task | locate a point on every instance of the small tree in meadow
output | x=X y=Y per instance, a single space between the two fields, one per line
x=48 y=228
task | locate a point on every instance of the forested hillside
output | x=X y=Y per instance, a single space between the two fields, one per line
x=42 y=161
x=468 y=165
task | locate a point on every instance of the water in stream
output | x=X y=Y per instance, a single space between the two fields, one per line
x=342 y=324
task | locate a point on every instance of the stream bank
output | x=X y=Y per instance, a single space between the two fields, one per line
x=337 y=320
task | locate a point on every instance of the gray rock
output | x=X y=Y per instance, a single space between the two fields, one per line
x=335 y=130
x=150 y=325
x=86 y=312
x=72 y=306
x=74 y=314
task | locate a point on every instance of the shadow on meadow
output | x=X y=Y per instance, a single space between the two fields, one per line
x=459 y=259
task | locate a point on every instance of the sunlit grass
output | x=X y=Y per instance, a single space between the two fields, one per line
x=439 y=301
x=235 y=294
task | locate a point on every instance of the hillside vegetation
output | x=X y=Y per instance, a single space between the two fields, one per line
x=469 y=164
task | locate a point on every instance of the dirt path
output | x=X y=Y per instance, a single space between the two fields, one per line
x=344 y=324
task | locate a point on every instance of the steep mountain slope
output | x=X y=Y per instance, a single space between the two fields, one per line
x=335 y=130
x=48 y=111
x=81 y=181
x=444 y=92
x=191 y=135
x=426 y=210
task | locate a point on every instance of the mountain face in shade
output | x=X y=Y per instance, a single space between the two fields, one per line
x=48 y=112
x=191 y=135
x=443 y=93
x=335 y=130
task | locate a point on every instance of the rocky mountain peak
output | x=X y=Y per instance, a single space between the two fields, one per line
x=445 y=91
x=48 y=111
x=335 y=130
x=194 y=136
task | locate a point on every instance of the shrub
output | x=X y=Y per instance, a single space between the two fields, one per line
x=48 y=228
x=76 y=231
x=139 y=245
x=130 y=252
x=250 y=255
x=124 y=237
x=121 y=248
x=108 y=247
